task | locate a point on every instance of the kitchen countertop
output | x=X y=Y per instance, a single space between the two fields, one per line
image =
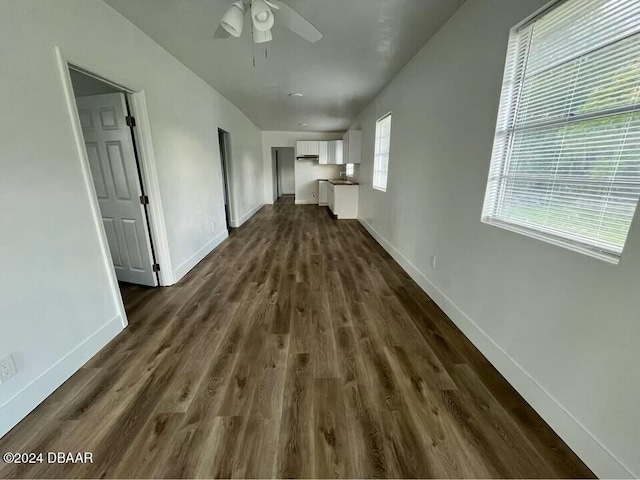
x=346 y=183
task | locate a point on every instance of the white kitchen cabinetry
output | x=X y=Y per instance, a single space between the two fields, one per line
x=352 y=146
x=313 y=147
x=331 y=196
x=334 y=150
x=343 y=201
x=323 y=153
x=323 y=193
x=307 y=147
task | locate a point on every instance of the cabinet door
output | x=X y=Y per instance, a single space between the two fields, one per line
x=323 y=153
x=345 y=147
x=323 y=192
x=301 y=148
x=332 y=202
x=313 y=148
x=333 y=156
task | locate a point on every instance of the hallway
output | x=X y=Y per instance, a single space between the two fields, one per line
x=298 y=348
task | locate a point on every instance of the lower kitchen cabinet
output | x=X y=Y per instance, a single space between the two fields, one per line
x=323 y=193
x=343 y=200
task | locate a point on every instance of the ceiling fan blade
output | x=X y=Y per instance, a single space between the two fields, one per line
x=296 y=22
x=221 y=33
x=272 y=4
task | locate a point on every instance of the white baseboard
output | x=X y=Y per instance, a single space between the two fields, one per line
x=302 y=202
x=186 y=266
x=597 y=457
x=235 y=223
x=32 y=395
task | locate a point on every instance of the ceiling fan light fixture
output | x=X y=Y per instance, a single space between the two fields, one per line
x=262 y=37
x=261 y=15
x=233 y=20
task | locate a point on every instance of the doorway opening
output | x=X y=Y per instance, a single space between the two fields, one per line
x=284 y=177
x=109 y=133
x=224 y=141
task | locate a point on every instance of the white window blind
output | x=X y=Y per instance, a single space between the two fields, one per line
x=565 y=166
x=381 y=153
x=350 y=169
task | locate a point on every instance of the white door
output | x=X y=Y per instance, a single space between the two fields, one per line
x=115 y=177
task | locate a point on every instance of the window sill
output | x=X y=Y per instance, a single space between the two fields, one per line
x=560 y=242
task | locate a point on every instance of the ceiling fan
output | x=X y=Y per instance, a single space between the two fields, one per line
x=262 y=20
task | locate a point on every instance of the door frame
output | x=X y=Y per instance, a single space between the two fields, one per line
x=146 y=161
x=278 y=179
x=224 y=144
x=275 y=160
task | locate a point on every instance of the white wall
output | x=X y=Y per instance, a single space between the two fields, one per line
x=286 y=169
x=56 y=309
x=246 y=174
x=562 y=327
x=308 y=172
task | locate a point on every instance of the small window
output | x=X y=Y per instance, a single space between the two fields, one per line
x=565 y=166
x=350 y=169
x=381 y=153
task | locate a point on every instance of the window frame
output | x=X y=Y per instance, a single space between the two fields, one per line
x=377 y=155
x=489 y=210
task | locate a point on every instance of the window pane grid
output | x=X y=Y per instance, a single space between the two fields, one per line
x=566 y=158
x=381 y=153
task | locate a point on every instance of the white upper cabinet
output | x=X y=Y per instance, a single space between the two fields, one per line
x=352 y=146
x=323 y=153
x=307 y=147
x=313 y=148
x=335 y=156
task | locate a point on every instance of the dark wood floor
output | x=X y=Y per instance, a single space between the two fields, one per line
x=298 y=348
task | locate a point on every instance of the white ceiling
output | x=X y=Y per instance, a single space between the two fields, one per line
x=366 y=42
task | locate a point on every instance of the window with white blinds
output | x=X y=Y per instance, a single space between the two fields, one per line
x=381 y=153
x=565 y=166
x=350 y=169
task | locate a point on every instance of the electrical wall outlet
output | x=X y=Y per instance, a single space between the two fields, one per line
x=7 y=368
x=433 y=262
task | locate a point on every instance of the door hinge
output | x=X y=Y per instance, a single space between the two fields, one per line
x=156 y=267
x=144 y=200
x=131 y=121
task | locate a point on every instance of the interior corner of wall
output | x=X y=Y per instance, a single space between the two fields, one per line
x=27 y=399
